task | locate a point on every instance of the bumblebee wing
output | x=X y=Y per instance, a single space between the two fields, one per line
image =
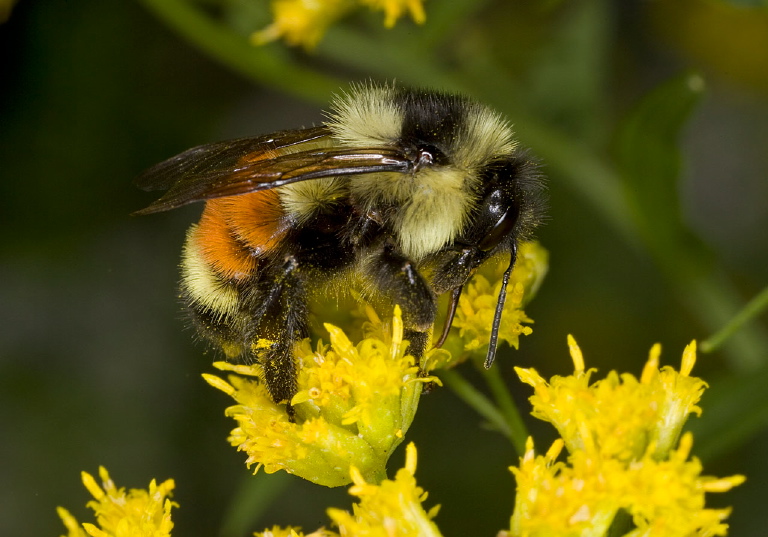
x=251 y=164
x=221 y=156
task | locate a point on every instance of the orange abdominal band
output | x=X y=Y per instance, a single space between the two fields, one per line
x=235 y=231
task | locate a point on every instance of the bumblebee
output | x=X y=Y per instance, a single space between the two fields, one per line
x=402 y=191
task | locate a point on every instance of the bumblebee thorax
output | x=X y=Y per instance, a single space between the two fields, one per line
x=425 y=210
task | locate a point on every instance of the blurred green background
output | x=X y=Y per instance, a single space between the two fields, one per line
x=652 y=122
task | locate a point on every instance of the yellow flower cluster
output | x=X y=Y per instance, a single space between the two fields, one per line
x=136 y=513
x=355 y=402
x=620 y=433
x=353 y=407
x=390 y=509
x=304 y=22
x=620 y=415
x=278 y=531
x=477 y=304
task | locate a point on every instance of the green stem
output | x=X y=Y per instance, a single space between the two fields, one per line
x=508 y=408
x=714 y=300
x=753 y=308
x=470 y=395
x=252 y=499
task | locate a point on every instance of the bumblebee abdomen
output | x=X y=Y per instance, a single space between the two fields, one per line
x=223 y=254
x=235 y=232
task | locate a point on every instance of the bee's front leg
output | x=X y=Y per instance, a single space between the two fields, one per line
x=396 y=277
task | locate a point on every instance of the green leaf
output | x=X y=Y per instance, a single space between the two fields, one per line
x=650 y=163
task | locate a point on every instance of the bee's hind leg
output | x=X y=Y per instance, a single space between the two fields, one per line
x=279 y=313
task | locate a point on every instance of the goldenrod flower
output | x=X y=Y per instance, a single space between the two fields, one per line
x=277 y=531
x=619 y=415
x=666 y=497
x=304 y=22
x=477 y=304
x=136 y=513
x=353 y=407
x=555 y=498
x=621 y=434
x=394 y=9
x=389 y=509
x=680 y=393
x=74 y=529
x=581 y=497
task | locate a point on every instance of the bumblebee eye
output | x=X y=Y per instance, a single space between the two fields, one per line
x=501 y=229
x=499 y=209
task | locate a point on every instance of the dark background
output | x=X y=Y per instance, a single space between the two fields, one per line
x=97 y=368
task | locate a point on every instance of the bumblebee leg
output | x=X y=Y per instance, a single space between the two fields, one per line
x=397 y=278
x=279 y=313
x=418 y=344
x=280 y=373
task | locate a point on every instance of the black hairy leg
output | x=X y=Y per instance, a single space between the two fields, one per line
x=396 y=277
x=280 y=372
x=279 y=318
x=418 y=342
x=454 y=266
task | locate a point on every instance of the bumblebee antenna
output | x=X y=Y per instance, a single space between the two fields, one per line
x=492 y=344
